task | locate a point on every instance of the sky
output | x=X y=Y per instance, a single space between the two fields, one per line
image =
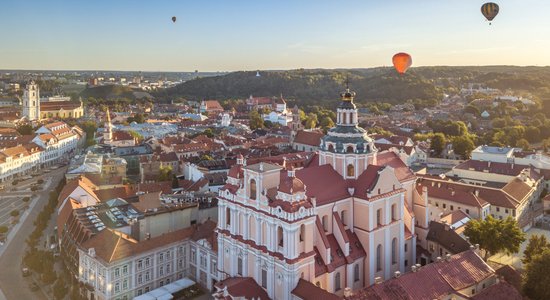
x=231 y=35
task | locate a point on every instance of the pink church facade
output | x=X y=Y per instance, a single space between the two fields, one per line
x=342 y=222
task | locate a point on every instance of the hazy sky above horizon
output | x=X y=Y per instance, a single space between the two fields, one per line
x=286 y=34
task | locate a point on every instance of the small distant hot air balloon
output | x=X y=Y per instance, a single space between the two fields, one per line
x=490 y=11
x=402 y=62
x=174 y=19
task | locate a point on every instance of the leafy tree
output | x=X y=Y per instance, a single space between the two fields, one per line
x=165 y=173
x=495 y=235
x=3 y=229
x=537 y=244
x=25 y=129
x=498 y=123
x=138 y=118
x=472 y=109
x=326 y=122
x=206 y=157
x=438 y=143
x=14 y=213
x=256 y=120
x=49 y=276
x=536 y=281
x=523 y=144
x=532 y=134
x=311 y=121
x=463 y=146
x=136 y=135
x=60 y=289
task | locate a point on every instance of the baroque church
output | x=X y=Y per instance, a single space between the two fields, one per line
x=338 y=224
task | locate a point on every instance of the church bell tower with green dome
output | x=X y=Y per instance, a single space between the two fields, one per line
x=347 y=147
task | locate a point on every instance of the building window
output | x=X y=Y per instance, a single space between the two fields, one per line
x=147 y=262
x=228 y=216
x=498 y=209
x=280 y=236
x=125 y=270
x=394 y=212
x=213 y=266
x=161 y=270
x=351 y=170
x=406 y=247
x=337 y=282
x=117 y=287
x=394 y=251
x=325 y=223
x=349 y=150
x=264 y=278
x=117 y=272
x=253 y=189
x=140 y=264
x=452 y=207
x=444 y=205
x=302 y=232
x=343 y=217
x=467 y=211
x=318 y=284
x=239 y=266
x=356 y=273
x=379 y=258
x=379 y=217
x=140 y=279
x=330 y=148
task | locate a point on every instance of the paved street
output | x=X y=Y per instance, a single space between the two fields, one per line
x=12 y=283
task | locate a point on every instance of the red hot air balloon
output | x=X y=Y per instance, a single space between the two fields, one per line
x=402 y=62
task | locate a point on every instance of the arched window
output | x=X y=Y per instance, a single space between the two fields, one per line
x=343 y=217
x=379 y=258
x=280 y=236
x=228 y=216
x=394 y=212
x=356 y=273
x=394 y=251
x=351 y=170
x=349 y=149
x=325 y=223
x=337 y=282
x=318 y=284
x=253 y=189
x=331 y=148
x=302 y=233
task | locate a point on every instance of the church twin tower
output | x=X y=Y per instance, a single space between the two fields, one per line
x=31 y=102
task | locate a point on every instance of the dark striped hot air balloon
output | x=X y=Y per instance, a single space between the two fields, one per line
x=490 y=11
x=402 y=62
x=174 y=19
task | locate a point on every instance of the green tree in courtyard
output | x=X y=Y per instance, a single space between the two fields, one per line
x=495 y=235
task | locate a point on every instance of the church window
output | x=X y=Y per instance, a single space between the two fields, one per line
x=330 y=148
x=228 y=216
x=325 y=223
x=302 y=232
x=280 y=237
x=379 y=217
x=394 y=251
x=394 y=212
x=343 y=217
x=351 y=170
x=239 y=266
x=379 y=258
x=264 y=278
x=356 y=273
x=253 y=189
x=349 y=149
x=337 y=282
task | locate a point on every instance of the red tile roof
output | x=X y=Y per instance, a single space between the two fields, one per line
x=391 y=159
x=501 y=290
x=312 y=138
x=307 y=290
x=323 y=183
x=242 y=287
x=438 y=280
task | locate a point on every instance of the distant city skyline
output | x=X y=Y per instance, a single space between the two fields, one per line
x=212 y=36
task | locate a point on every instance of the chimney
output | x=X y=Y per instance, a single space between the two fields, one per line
x=377 y=280
x=438 y=259
x=397 y=274
x=413 y=268
x=452 y=192
x=448 y=257
x=314 y=201
x=348 y=292
x=439 y=184
x=476 y=192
